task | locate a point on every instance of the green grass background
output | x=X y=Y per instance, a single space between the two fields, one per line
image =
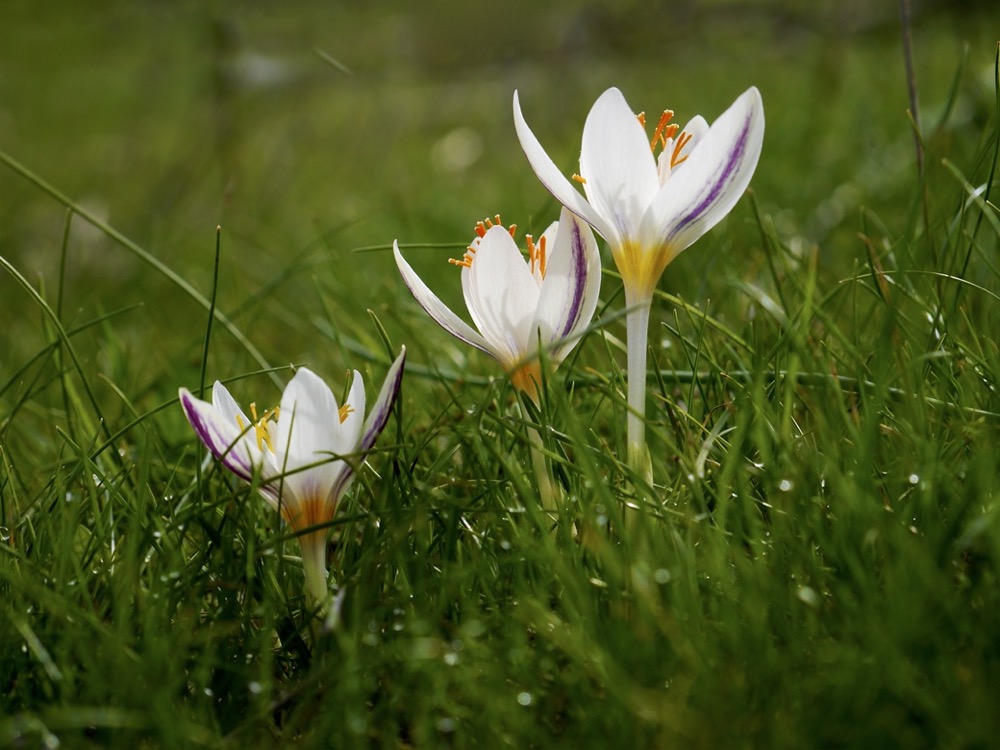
x=816 y=562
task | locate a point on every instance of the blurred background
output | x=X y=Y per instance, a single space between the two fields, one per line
x=315 y=133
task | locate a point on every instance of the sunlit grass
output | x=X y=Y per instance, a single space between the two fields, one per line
x=815 y=563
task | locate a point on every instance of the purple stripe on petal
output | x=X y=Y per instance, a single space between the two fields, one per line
x=376 y=422
x=220 y=444
x=579 y=249
x=721 y=182
x=379 y=415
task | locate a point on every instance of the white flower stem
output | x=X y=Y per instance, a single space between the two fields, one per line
x=314 y=566
x=637 y=329
x=548 y=490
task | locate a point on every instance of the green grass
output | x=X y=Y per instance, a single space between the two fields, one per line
x=816 y=563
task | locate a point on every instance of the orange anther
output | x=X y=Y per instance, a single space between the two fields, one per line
x=676 y=157
x=536 y=254
x=344 y=411
x=581 y=180
x=466 y=261
x=660 y=135
x=641 y=117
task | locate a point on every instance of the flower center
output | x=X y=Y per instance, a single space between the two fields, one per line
x=481 y=229
x=664 y=137
x=260 y=425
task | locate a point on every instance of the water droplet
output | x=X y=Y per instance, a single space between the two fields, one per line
x=446 y=724
x=914 y=478
x=255 y=687
x=208 y=692
x=602 y=520
x=505 y=545
x=524 y=699
x=662 y=575
x=808 y=596
x=785 y=485
x=4 y=534
x=451 y=659
x=357 y=724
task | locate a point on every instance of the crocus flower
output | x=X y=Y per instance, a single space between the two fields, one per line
x=518 y=302
x=304 y=453
x=649 y=208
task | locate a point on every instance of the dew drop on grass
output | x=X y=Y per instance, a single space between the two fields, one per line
x=4 y=534
x=914 y=478
x=505 y=545
x=808 y=595
x=446 y=724
x=785 y=485
x=451 y=659
x=661 y=575
x=524 y=699
x=255 y=687
x=357 y=724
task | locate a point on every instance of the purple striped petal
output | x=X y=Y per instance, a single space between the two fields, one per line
x=571 y=286
x=556 y=182
x=221 y=438
x=434 y=307
x=376 y=422
x=712 y=179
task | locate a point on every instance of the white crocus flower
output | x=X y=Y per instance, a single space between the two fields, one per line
x=651 y=208
x=519 y=303
x=303 y=453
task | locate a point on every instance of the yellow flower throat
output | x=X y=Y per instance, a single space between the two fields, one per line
x=261 y=424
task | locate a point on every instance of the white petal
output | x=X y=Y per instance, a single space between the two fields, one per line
x=375 y=423
x=434 y=307
x=716 y=173
x=548 y=237
x=554 y=180
x=693 y=132
x=572 y=284
x=501 y=296
x=221 y=435
x=223 y=400
x=306 y=436
x=617 y=164
x=349 y=439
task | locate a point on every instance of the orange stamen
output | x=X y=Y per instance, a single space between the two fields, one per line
x=581 y=180
x=663 y=130
x=675 y=157
x=481 y=228
x=641 y=117
x=536 y=254
x=344 y=411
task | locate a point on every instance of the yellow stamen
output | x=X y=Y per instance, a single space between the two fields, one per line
x=260 y=426
x=581 y=180
x=344 y=411
x=641 y=117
